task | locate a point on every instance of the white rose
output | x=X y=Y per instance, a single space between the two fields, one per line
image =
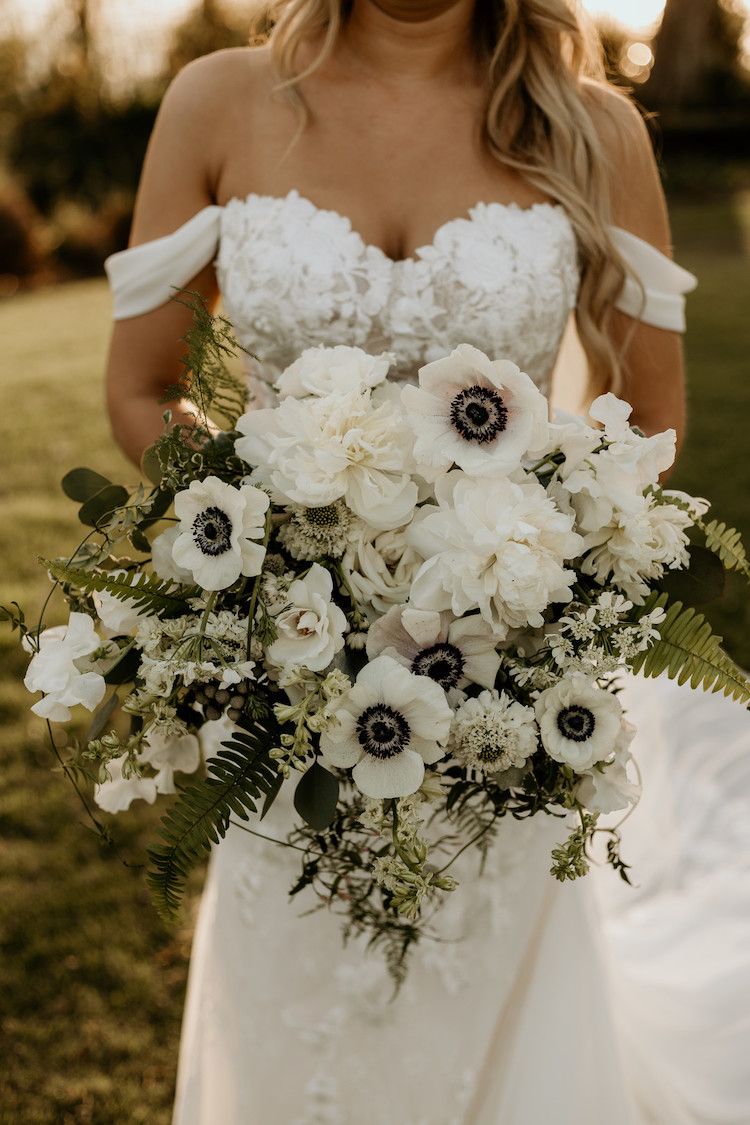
x=380 y=567
x=311 y=630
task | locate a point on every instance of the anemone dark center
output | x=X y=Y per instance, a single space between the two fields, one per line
x=479 y=414
x=382 y=731
x=576 y=723
x=212 y=531
x=442 y=662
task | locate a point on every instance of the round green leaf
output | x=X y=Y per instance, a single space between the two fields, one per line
x=316 y=797
x=103 y=504
x=82 y=484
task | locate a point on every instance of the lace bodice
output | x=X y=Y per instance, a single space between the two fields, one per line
x=504 y=278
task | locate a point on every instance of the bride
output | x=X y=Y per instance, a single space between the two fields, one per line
x=405 y=175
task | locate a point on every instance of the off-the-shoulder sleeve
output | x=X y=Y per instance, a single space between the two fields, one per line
x=661 y=302
x=145 y=276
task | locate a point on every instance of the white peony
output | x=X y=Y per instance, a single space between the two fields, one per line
x=493 y=733
x=500 y=549
x=63 y=670
x=579 y=722
x=380 y=567
x=452 y=651
x=319 y=450
x=117 y=793
x=217 y=529
x=483 y=415
x=387 y=726
x=323 y=371
x=310 y=630
x=119 y=616
x=608 y=787
x=161 y=557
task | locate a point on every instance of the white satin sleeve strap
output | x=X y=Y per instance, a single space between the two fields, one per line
x=661 y=303
x=144 y=277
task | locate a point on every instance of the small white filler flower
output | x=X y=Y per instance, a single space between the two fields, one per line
x=388 y=725
x=580 y=723
x=480 y=414
x=217 y=529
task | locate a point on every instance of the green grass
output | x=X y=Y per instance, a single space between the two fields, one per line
x=91 y=982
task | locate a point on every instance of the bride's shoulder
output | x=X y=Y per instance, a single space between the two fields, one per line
x=214 y=81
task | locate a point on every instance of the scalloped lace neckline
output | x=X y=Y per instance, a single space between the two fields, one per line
x=468 y=217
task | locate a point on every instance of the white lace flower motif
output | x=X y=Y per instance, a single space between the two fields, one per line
x=493 y=733
x=343 y=446
x=62 y=669
x=580 y=723
x=452 y=651
x=323 y=371
x=380 y=567
x=310 y=630
x=500 y=550
x=608 y=787
x=483 y=415
x=388 y=725
x=217 y=531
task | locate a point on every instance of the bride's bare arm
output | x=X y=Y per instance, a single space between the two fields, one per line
x=654 y=381
x=177 y=181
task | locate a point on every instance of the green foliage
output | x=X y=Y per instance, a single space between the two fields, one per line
x=235 y=780
x=726 y=542
x=148 y=591
x=316 y=796
x=689 y=652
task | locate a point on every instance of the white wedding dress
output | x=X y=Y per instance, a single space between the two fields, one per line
x=575 y=1004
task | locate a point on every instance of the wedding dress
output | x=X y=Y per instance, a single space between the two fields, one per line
x=580 y=1003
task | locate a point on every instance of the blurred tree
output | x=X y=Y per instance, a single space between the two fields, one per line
x=209 y=28
x=698 y=51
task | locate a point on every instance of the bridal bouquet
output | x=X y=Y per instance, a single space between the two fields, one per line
x=408 y=603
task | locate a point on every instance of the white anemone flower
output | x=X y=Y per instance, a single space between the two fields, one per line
x=608 y=787
x=310 y=629
x=217 y=529
x=580 y=723
x=483 y=415
x=117 y=793
x=323 y=371
x=452 y=651
x=63 y=670
x=388 y=724
x=498 y=549
x=341 y=447
x=170 y=754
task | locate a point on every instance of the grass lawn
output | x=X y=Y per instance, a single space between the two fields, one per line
x=91 y=982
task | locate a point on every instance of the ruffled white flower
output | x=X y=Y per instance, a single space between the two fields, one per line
x=608 y=787
x=161 y=557
x=167 y=755
x=580 y=723
x=323 y=371
x=493 y=733
x=63 y=670
x=310 y=631
x=452 y=651
x=119 y=616
x=483 y=415
x=387 y=726
x=117 y=793
x=312 y=533
x=499 y=549
x=217 y=531
x=380 y=567
x=342 y=447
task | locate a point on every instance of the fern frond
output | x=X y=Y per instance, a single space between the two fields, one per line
x=726 y=542
x=236 y=779
x=147 y=592
x=689 y=652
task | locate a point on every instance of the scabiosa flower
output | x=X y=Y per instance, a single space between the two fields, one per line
x=479 y=414
x=218 y=524
x=311 y=533
x=453 y=652
x=63 y=669
x=493 y=733
x=389 y=724
x=579 y=722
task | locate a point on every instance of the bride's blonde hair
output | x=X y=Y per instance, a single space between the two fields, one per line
x=537 y=121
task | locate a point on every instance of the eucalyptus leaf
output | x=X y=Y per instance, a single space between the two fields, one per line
x=151 y=465
x=102 y=717
x=316 y=797
x=103 y=504
x=82 y=484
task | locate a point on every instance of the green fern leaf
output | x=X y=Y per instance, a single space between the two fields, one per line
x=147 y=592
x=688 y=651
x=236 y=779
x=726 y=542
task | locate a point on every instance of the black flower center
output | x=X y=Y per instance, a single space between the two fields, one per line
x=479 y=414
x=212 y=531
x=324 y=519
x=576 y=723
x=382 y=731
x=442 y=662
